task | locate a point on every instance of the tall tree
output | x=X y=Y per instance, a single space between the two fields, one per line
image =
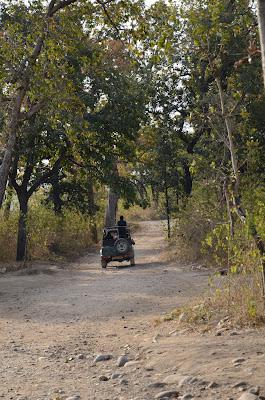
x=229 y=92
x=261 y=20
x=35 y=163
x=21 y=79
x=26 y=56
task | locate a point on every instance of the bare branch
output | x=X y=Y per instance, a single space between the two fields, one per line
x=26 y=63
x=106 y=12
x=50 y=7
x=233 y=109
x=35 y=108
x=27 y=174
x=44 y=178
x=222 y=137
x=62 y=4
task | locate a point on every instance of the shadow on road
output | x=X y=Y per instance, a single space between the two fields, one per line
x=141 y=266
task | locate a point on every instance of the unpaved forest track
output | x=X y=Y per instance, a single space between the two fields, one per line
x=54 y=323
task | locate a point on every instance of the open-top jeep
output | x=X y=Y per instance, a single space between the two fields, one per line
x=117 y=245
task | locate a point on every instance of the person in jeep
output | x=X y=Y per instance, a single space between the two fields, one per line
x=122 y=227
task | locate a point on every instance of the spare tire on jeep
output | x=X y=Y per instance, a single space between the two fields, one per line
x=122 y=246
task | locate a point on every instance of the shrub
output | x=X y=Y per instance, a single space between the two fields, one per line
x=239 y=299
x=195 y=220
x=49 y=235
x=136 y=213
x=202 y=230
x=8 y=236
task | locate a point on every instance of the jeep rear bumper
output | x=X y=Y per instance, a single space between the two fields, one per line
x=124 y=257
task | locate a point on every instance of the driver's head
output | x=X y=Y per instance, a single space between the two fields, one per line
x=121 y=218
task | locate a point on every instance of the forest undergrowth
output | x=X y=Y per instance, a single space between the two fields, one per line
x=201 y=239
x=50 y=236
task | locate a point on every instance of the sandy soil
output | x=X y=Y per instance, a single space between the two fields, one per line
x=54 y=322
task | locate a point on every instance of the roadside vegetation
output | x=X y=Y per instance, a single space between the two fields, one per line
x=156 y=111
x=48 y=236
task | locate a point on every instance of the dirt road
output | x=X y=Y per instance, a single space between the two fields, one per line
x=54 y=322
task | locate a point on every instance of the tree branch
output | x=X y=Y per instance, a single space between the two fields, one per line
x=27 y=174
x=62 y=4
x=26 y=63
x=50 y=8
x=13 y=174
x=34 y=109
x=44 y=178
x=106 y=12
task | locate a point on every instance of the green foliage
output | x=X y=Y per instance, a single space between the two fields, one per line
x=252 y=309
x=84 y=83
x=217 y=243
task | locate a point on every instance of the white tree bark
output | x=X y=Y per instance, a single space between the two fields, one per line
x=241 y=212
x=261 y=21
x=233 y=156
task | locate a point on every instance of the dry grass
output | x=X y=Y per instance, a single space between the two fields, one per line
x=137 y=213
x=8 y=236
x=235 y=298
x=240 y=298
x=201 y=234
x=186 y=242
x=49 y=236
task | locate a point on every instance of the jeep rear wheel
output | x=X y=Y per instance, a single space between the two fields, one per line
x=132 y=262
x=122 y=246
x=104 y=263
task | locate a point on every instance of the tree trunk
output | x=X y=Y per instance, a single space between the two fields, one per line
x=112 y=202
x=168 y=213
x=240 y=211
x=8 y=202
x=167 y=199
x=12 y=134
x=229 y=130
x=111 y=209
x=236 y=177
x=56 y=192
x=155 y=196
x=92 y=212
x=230 y=215
x=22 y=227
x=261 y=21
x=187 y=178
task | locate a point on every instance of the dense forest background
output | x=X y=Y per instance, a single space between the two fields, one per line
x=155 y=110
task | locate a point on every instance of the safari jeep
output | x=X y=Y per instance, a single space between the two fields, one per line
x=117 y=245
